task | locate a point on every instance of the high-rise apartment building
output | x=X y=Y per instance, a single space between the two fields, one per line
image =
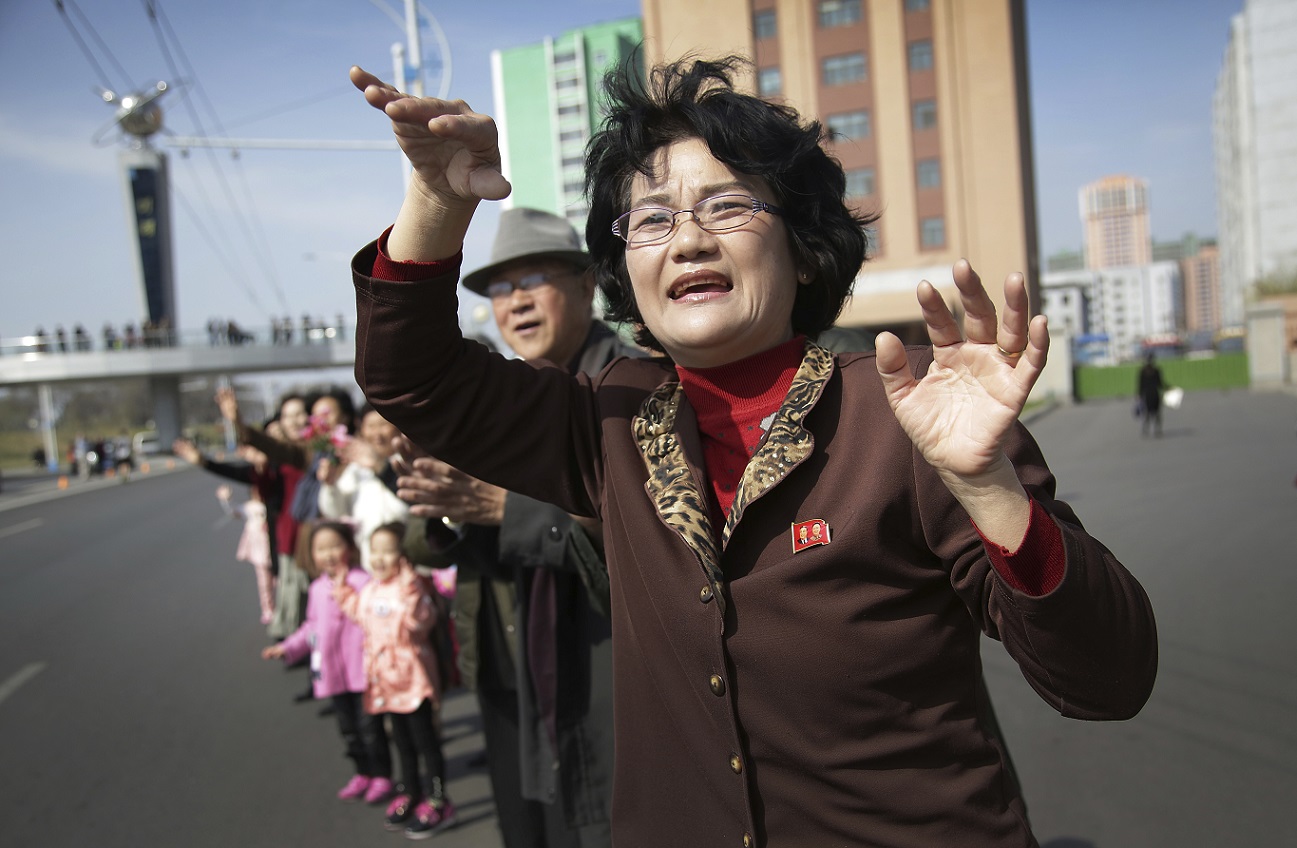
x=928 y=105
x=1254 y=123
x=1200 y=273
x=1114 y=212
x=546 y=108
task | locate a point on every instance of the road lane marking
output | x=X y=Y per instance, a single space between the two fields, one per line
x=20 y=528
x=13 y=684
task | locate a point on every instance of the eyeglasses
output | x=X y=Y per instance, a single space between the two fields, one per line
x=652 y=224
x=504 y=288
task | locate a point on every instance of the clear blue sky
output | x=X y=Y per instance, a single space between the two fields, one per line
x=1117 y=87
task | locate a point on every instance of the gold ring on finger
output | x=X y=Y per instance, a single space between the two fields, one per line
x=1008 y=354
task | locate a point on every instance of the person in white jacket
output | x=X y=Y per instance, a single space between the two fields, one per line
x=357 y=484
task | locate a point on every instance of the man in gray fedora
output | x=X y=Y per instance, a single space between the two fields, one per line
x=532 y=600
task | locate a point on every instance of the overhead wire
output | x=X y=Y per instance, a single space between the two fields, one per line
x=63 y=6
x=335 y=91
x=252 y=229
x=222 y=257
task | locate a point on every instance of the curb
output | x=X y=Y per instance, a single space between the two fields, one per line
x=64 y=487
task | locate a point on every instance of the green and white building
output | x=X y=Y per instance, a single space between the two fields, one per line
x=547 y=105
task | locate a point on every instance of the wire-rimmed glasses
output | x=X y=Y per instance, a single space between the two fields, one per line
x=652 y=224
x=504 y=288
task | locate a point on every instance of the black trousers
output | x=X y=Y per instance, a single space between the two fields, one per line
x=523 y=823
x=416 y=739
x=364 y=735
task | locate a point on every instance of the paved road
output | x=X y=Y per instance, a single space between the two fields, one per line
x=1205 y=517
x=133 y=709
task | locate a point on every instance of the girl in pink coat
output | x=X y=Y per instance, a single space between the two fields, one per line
x=335 y=644
x=397 y=613
x=254 y=543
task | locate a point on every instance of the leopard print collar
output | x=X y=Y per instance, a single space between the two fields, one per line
x=681 y=503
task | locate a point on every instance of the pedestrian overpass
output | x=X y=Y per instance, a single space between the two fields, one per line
x=30 y=361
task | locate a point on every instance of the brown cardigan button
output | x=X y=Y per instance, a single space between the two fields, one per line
x=705 y=595
x=718 y=685
x=736 y=764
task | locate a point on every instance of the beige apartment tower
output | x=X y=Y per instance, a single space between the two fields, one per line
x=1114 y=211
x=927 y=101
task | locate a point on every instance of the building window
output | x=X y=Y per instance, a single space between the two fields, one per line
x=770 y=81
x=763 y=24
x=916 y=5
x=849 y=125
x=920 y=55
x=932 y=232
x=860 y=182
x=836 y=13
x=841 y=70
x=928 y=173
x=925 y=114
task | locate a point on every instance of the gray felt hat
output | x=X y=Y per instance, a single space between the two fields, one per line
x=529 y=234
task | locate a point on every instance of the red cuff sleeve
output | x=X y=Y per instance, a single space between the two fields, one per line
x=387 y=268
x=1037 y=567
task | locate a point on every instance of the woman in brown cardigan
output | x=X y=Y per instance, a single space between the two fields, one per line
x=804 y=549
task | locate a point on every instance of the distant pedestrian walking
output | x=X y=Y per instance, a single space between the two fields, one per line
x=1149 y=392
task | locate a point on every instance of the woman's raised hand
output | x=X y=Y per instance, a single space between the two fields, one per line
x=959 y=413
x=186 y=450
x=228 y=402
x=454 y=150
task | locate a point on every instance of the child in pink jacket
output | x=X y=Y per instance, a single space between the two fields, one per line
x=397 y=613
x=337 y=646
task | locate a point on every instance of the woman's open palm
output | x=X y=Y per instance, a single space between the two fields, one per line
x=959 y=413
x=454 y=150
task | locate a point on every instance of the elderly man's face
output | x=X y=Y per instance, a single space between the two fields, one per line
x=549 y=321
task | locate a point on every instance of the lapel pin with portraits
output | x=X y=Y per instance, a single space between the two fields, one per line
x=808 y=534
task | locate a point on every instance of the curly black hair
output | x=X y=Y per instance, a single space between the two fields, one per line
x=696 y=98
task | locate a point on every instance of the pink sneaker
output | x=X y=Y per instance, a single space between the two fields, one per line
x=380 y=789
x=354 y=789
x=399 y=812
x=430 y=819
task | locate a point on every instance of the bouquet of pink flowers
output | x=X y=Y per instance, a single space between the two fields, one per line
x=322 y=439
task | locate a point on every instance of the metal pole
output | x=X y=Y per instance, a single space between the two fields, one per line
x=415 y=57
x=231 y=438
x=398 y=80
x=47 y=425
